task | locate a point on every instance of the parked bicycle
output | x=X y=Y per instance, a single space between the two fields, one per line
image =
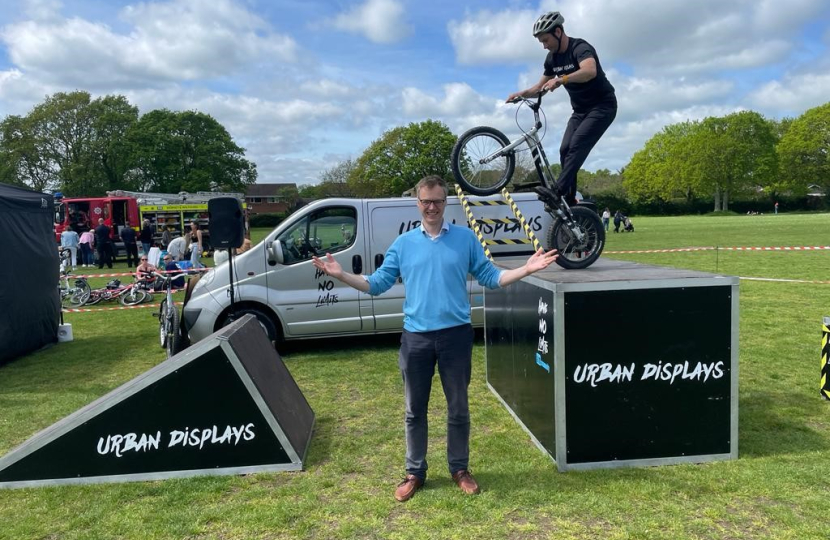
x=76 y=295
x=483 y=161
x=168 y=316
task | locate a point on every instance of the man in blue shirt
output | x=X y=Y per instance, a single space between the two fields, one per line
x=434 y=261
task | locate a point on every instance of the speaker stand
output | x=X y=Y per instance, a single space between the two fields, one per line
x=232 y=311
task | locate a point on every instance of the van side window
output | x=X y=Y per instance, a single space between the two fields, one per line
x=327 y=231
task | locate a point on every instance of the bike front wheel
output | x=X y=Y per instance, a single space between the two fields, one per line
x=162 y=315
x=479 y=163
x=580 y=248
x=82 y=293
x=132 y=297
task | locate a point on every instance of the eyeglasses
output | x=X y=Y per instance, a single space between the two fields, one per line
x=432 y=202
x=144 y=258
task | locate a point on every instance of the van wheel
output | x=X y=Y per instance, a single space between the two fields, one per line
x=265 y=322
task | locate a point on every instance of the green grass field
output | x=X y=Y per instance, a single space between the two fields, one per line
x=777 y=489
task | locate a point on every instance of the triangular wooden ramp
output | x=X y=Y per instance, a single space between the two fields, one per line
x=226 y=405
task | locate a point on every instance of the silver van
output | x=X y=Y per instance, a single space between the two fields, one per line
x=276 y=282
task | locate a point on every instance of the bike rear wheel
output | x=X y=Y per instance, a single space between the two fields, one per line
x=576 y=253
x=468 y=153
x=173 y=342
x=163 y=323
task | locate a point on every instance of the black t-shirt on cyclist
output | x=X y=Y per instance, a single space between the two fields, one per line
x=585 y=95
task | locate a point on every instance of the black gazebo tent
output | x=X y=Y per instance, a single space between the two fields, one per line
x=29 y=299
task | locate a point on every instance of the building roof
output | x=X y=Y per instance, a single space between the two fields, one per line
x=267 y=190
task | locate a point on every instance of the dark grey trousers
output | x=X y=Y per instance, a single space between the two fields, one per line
x=451 y=349
x=581 y=135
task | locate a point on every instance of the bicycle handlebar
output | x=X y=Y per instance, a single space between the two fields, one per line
x=529 y=101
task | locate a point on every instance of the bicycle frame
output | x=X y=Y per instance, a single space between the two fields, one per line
x=555 y=203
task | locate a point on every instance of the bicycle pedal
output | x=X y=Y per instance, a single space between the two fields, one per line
x=547 y=196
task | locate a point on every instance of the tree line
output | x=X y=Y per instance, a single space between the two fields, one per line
x=733 y=157
x=85 y=147
x=720 y=159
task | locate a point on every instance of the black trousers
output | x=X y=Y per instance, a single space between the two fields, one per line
x=132 y=254
x=581 y=135
x=105 y=255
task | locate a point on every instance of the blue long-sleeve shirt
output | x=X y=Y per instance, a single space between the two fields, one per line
x=434 y=273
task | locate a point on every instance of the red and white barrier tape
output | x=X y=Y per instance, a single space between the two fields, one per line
x=179 y=272
x=713 y=248
x=119 y=308
x=784 y=280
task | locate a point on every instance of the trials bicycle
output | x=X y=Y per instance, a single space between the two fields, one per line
x=483 y=162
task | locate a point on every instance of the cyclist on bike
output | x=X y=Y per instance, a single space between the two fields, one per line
x=573 y=64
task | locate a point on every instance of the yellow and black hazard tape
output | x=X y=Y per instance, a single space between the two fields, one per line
x=481 y=203
x=825 y=362
x=508 y=242
x=472 y=220
x=516 y=212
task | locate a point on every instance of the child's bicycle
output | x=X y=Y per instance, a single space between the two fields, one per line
x=72 y=296
x=483 y=162
x=76 y=295
x=129 y=295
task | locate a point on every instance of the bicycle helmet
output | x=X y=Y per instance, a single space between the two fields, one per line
x=547 y=23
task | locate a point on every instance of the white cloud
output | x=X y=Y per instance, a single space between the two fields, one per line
x=19 y=93
x=171 y=41
x=487 y=37
x=793 y=94
x=458 y=100
x=656 y=36
x=380 y=21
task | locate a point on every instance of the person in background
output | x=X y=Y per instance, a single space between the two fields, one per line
x=70 y=241
x=177 y=248
x=87 y=242
x=434 y=261
x=606 y=218
x=173 y=270
x=195 y=245
x=166 y=237
x=618 y=219
x=146 y=237
x=104 y=244
x=128 y=237
x=144 y=272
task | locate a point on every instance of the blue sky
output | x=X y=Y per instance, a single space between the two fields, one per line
x=304 y=84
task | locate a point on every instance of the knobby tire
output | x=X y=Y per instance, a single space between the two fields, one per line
x=482 y=178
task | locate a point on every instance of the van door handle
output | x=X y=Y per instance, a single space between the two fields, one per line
x=357 y=264
x=378 y=260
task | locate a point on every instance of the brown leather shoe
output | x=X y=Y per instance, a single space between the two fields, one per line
x=466 y=482
x=408 y=487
